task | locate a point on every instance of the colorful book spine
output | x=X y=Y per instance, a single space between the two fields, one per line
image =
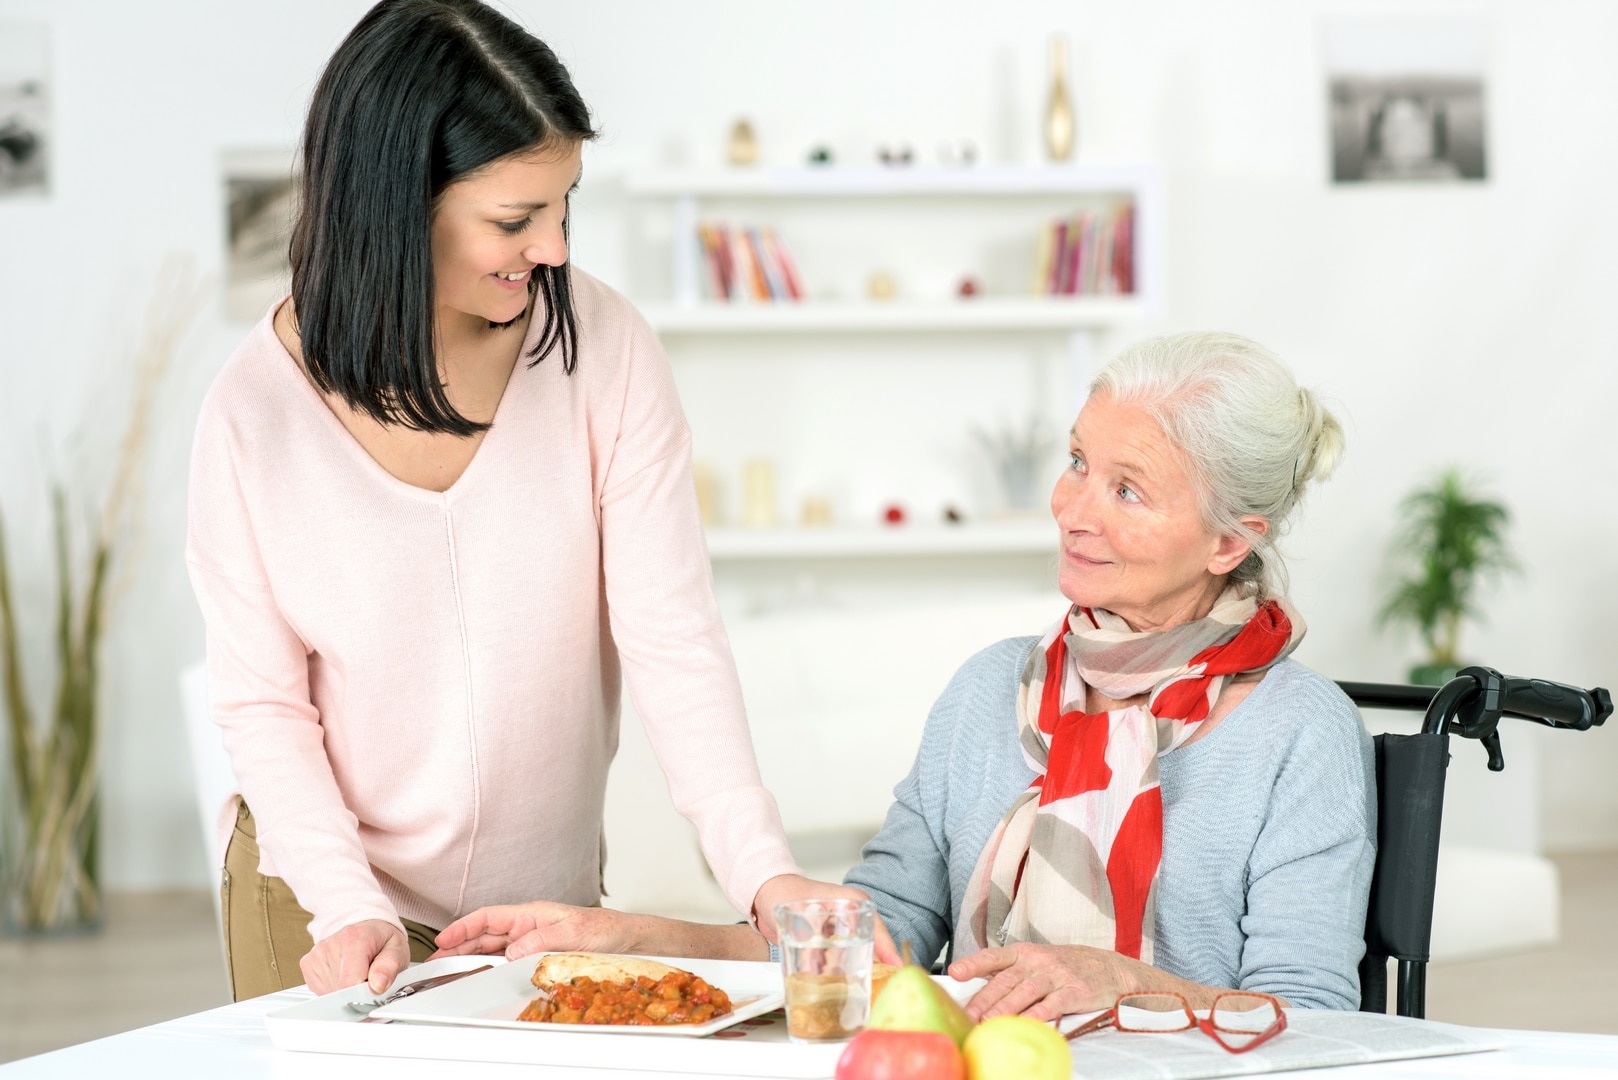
x=747 y=263
x=782 y=259
x=775 y=286
x=1039 y=284
x=1059 y=259
x=1123 y=251
x=1088 y=254
x=713 y=260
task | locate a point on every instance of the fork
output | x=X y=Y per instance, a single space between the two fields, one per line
x=414 y=988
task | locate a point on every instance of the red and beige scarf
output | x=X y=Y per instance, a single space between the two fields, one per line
x=1075 y=859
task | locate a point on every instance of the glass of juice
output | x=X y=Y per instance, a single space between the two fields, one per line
x=826 y=950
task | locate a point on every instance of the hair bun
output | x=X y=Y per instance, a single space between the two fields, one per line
x=1322 y=443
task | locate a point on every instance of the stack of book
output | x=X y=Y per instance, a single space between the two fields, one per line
x=747 y=264
x=1089 y=254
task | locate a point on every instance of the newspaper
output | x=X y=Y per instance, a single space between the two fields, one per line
x=1314 y=1038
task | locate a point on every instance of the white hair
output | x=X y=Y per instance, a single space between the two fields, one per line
x=1252 y=438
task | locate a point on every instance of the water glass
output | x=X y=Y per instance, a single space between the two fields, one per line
x=826 y=951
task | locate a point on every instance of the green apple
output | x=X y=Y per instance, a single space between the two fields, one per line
x=1016 y=1048
x=911 y=1001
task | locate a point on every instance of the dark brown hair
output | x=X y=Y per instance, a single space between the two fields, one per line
x=420 y=94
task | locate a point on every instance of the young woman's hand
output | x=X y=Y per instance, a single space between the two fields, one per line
x=1047 y=981
x=372 y=952
x=519 y=930
x=784 y=887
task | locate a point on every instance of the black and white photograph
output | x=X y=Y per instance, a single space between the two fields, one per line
x=1407 y=101
x=258 y=188
x=24 y=110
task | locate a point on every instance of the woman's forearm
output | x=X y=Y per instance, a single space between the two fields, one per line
x=657 y=936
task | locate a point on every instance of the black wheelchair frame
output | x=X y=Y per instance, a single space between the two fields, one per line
x=1410 y=804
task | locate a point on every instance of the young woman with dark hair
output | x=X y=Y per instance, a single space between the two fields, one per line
x=440 y=501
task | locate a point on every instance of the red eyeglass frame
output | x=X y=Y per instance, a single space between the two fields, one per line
x=1193 y=1021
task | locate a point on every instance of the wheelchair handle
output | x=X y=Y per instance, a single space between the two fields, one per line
x=1556 y=705
x=1478 y=697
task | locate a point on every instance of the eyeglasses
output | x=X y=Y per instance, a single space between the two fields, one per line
x=1260 y=1017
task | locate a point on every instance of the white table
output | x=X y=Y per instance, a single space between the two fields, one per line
x=231 y=1042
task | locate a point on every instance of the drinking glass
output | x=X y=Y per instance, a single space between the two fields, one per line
x=826 y=950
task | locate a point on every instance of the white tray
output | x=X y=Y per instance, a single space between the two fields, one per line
x=754 y=1047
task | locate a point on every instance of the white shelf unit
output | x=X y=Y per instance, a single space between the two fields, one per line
x=1030 y=537
x=687 y=312
x=867 y=191
x=978 y=313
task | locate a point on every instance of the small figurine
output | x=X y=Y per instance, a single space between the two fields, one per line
x=953 y=515
x=968 y=287
x=901 y=155
x=820 y=155
x=816 y=510
x=882 y=286
x=958 y=154
x=743 y=146
x=894 y=514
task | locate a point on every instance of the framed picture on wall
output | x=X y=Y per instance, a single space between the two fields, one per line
x=24 y=109
x=259 y=193
x=1407 y=100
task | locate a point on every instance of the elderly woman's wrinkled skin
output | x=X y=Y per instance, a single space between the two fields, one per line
x=1133 y=540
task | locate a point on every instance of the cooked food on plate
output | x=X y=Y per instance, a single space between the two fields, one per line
x=600 y=988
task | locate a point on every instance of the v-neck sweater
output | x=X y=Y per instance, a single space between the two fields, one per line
x=419 y=690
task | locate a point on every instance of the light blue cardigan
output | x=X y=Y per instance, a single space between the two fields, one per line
x=1269 y=831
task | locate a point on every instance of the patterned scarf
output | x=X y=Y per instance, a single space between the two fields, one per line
x=1075 y=859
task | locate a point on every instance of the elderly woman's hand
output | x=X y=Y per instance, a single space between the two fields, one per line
x=1049 y=981
x=519 y=930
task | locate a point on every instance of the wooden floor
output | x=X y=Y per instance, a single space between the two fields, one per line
x=159 y=958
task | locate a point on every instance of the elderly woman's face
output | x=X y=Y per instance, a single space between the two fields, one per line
x=1133 y=541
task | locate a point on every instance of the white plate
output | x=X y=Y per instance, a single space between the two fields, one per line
x=496 y=998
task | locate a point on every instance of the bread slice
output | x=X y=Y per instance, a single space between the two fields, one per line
x=556 y=969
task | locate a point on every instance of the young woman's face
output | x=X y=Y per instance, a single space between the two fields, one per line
x=1133 y=541
x=490 y=230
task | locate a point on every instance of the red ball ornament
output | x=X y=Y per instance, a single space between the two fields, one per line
x=894 y=514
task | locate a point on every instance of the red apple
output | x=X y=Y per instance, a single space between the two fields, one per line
x=901 y=1055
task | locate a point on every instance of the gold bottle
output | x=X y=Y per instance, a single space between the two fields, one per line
x=1060 y=126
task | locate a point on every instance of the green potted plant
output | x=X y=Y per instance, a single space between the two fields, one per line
x=1450 y=539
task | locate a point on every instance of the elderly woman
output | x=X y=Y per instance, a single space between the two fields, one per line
x=1152 y=795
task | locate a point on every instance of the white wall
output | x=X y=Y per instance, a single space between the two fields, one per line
x=1457 y=323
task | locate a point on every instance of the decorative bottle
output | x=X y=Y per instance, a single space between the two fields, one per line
x=1060 y=126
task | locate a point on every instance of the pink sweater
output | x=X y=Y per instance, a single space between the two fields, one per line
x=419 y=691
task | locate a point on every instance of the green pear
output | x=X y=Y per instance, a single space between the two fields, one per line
x=911 y=1001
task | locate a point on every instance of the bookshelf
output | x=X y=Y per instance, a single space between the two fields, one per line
x=904 y=189
x=929 y=225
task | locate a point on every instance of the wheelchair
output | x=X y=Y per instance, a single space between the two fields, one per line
x=1410 y=805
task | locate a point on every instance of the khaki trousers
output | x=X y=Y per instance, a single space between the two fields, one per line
x=266 y=929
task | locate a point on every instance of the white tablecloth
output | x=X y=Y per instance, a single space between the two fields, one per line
x=231 y=1042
